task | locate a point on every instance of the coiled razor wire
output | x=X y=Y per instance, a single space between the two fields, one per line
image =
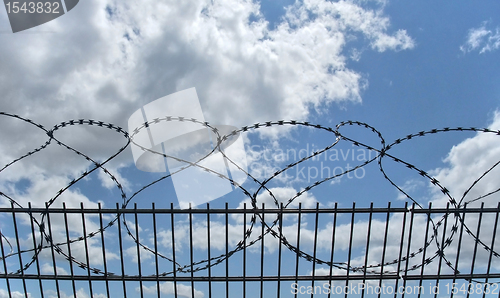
x=272 y=228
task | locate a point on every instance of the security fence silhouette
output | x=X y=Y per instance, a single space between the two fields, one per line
x=255 y=251
x=347 y=251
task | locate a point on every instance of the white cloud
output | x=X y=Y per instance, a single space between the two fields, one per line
x=482 y=39
x=409 y=187
x=168 y=288
x=109 y=183
x=289 y=230
x=13 y=294
x=49 y=269
x=466 y=162
x=131 y=252
x=41 y=189
x=116 y=62
x=104 y=66
x=282 y=195
x=462 y=175
x=80 y=293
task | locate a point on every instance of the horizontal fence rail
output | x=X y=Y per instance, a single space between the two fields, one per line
x=261 y=252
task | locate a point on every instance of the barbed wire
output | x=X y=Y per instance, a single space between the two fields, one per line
x=271 y=228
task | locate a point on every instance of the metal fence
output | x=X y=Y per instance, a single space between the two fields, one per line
x=54 y=250
x=314 y=252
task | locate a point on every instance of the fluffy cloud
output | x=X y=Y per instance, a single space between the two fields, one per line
x=106 y=59
x=80 y=293
x=168 y=288
x=482 y=39
x=14 y=294
x=466 y=162
x=470 y=174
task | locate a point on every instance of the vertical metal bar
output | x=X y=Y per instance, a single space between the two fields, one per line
x=384 y=246
x=441 y=253
x=314 y=248
x=475 y=246
x=66 y=226
x=155 y=239
x=120 y=242
x=209 y=256
x=401 y=249
x=16 y=232
x=5 y=266
x=137 y=241
x=262 y=254
x=226 y=216
x=103 y=250
x=52 y=248
x=299 y=215
x=367 y=246
x=87 y=258
x=408 y=248
x=173 y=247
x=333 y=248
x=491 y=250
x=424 y=260
x=244 y=250
x=350 y=248
x=459 y=246
x=37 y=262
x=280 y=249
x=191 y=256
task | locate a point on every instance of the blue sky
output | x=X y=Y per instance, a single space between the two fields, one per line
x=399 y=66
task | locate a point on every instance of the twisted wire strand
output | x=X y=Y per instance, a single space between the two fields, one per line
x=270 y=228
